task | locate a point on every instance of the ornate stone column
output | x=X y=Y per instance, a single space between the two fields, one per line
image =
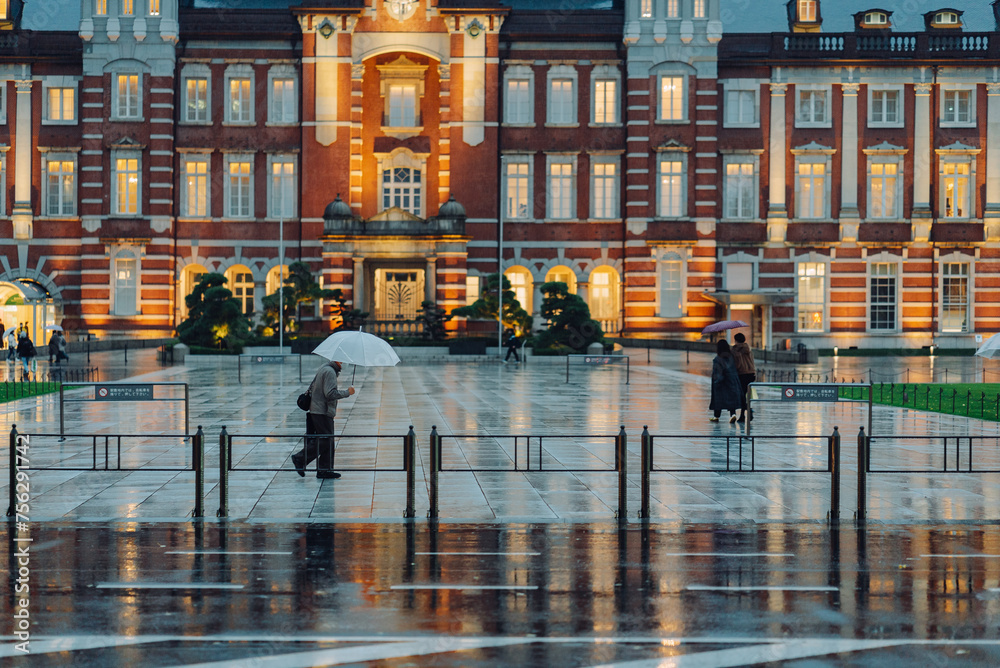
x=922 y=156
x=430 y=280
x=359 y=283
x=993 y=161
x=776 y=207
x=21 y=212
x=849 y=152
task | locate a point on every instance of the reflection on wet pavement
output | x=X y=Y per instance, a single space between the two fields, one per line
x=520 y=594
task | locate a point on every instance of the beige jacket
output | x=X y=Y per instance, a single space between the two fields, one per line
x=324 y=392
x=744 y=359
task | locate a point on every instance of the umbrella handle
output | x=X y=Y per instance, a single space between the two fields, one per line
x=354 y=373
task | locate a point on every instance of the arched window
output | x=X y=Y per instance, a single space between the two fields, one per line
x=604 y=294
x=240 y=282
x=402 y=182
x=876 y=19
x=562 y=274
x=274 y=278
x=522 y=285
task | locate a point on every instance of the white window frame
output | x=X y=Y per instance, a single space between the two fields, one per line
x=800 y=121
x=194 y=71
x=286 y=212
x=406 y=159
x=667 y=255
x=521 y=160
x=154 y=7
x=605 y=74
x=200 y=158
x=673 y=9
x=970 y=264
x=613 y=208
x=239 y=72
x=519 y=73
x=562 y=73
x=116 y=107
x=227 y=208
x=646 y=9
x=125 y=154
x=672 y=156
x=560 y=159
x=740 y=89
x=60 y=83
x=885 y=159
x=946 y=91
x=813 y=5
x=806 y=157
x=3 y=101
x=741 y=159
x=52 y=157
x=822 y=264
x=473 y=285
x=946 y=157
x=661 y=106
x=873 y=91
x=883 y=19
x=134 y=307
x=290 y=114
x=894 y=262
x=614 y=298
x=740 y=259
x=699 y=9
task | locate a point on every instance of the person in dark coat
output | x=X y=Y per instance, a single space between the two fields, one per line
x=26 y=352
x=511 y=342
x=745 y=366
x=725 y=383
x=53 y=346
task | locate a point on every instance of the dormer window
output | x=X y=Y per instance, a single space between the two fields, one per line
x=947 y=19
x=876 y=19
x=804 y=15
x=807 y=11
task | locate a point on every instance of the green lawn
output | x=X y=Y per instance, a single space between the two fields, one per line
x=12 y=391
x=978 y=400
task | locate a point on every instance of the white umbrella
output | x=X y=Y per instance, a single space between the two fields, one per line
x=54 y=328
x=357 y=348
x=991 y=348
x=9 y=330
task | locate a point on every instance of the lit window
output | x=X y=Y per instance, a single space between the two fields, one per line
x=401 y=188
x=807 y=10
x=127 y=96
x=242 y=287
x=956 y=106
x=946 y=19
x=561 y=102
x=283 y=101
x=811 y=296
x=606 y=101
x=101 y=7
x=812 y=107
x=521 y=285
x=196 y=100
x=740 y=190
x=882 y=297
x=126 y=186
x=884 y=107
x=281 y=201
x=127 y=7
x=673 y=9
x=402 y=106
x=672 y=99
x=954 y=297
x=671 y=288
x=519 y=101
x=876 y=19
x=956 y=190
x=517 y=190
x=883 y=200
x=811 y=187
x=646 y=9
x=604 y=191
x=61 y=104
x=471 y=289
x=671 y=203
x=240 y=101
x=154 y=7
x=561 y=191
x=604 y=296
x=196 y=187
x=240 y=200
x=699 y=9
x=60 y=187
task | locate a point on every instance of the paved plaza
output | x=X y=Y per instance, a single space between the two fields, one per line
x=479 y=409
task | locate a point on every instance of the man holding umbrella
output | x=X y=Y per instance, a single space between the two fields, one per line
x=324 y=395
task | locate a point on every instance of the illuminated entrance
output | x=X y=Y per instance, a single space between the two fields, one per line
x=23 y=301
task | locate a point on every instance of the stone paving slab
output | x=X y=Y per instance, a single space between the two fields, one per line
x=478 y=409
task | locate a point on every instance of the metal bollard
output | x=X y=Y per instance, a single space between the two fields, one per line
x=198 y=461
x=647 y=466
x=435 y=467
x=409 y=463
x=223 y=473
x=862 y=514
x=12 y=508
x=835 y=477
x=621 y=458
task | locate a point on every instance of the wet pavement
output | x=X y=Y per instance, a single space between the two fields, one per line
x=577 y=594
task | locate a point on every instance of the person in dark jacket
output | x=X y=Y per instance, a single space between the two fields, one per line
x=747 y=370
x=26 y=352
x=511 y=342
x=725 y=383
x=319 y=420
x=53 y=346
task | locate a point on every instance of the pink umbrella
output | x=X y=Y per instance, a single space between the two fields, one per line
x=723 y=326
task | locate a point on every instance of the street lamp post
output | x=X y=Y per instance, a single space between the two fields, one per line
x=281 y=285
x=503 y=206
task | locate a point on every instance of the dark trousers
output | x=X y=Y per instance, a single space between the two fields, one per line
x=512 y=349
x=318 y=448
x=745 y=380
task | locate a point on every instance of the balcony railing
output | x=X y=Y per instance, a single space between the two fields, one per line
x=394 y=327
x=864 y=45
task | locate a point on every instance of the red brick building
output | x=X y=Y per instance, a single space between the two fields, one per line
x=828 y=171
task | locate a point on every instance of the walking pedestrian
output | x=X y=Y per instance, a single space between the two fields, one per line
x=747 y=370
x=61 y=348
x=324 y=395
x=512 y=343
x=26 y=351
x=12 y=346
x=725 y=383
x=53 y=345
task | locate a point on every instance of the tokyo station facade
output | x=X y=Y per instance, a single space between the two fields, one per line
x=827 y=171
